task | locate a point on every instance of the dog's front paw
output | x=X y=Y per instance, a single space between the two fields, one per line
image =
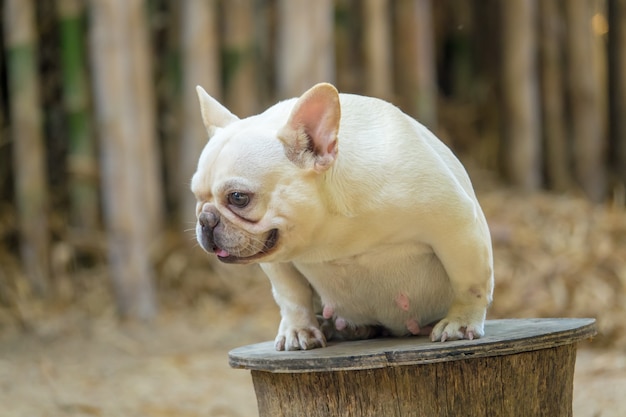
x=299 y=338
x=455 y=328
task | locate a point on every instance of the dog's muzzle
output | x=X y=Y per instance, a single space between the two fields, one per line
x=209 y=219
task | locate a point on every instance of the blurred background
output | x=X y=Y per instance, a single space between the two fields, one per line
x=100 y=132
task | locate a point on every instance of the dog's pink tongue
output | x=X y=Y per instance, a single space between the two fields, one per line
x=222 y=253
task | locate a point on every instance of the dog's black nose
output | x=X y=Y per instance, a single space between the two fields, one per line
x=208 y=220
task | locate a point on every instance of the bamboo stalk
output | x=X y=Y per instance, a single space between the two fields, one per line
x=81 y=152
x=552 y=96
x=27 y=141
x=166 y=27
x=241 y=91
x=305 y=45
x=129 y=156
x=461 y=67
x=425 y=69
x=585 y=104
x=415 y=62
x=350 y=70
x=520 y=94
x=617 y=80
x=201 y=66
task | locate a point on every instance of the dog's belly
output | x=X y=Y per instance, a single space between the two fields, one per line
x=396 y=287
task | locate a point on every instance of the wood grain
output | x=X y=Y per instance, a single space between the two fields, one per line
x=535 y=383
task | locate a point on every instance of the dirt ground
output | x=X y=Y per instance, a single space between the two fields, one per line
x=178 y=367
x=554 y=257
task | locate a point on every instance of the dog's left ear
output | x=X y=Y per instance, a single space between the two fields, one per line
x=310 y=135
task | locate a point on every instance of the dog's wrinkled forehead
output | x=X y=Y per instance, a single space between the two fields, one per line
x=248 y=153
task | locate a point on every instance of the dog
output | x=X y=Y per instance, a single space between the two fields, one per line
x=352 y=209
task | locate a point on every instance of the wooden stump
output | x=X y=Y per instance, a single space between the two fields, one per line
x=520 y=367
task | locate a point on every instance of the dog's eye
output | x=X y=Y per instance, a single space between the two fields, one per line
x=237 y=199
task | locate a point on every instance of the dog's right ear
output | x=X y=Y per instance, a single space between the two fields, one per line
x=214 y=115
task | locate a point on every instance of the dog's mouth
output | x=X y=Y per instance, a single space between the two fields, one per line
x=270 y=243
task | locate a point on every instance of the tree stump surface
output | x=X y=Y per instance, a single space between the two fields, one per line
x=502 y=337
x=521 y=367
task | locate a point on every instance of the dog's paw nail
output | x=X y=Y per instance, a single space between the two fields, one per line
x=444 y=336
x=470 y=335
x=279 y=344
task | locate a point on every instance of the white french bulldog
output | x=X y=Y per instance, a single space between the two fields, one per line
x=346 y=200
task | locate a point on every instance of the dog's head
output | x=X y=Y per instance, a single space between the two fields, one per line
x=257 y=181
